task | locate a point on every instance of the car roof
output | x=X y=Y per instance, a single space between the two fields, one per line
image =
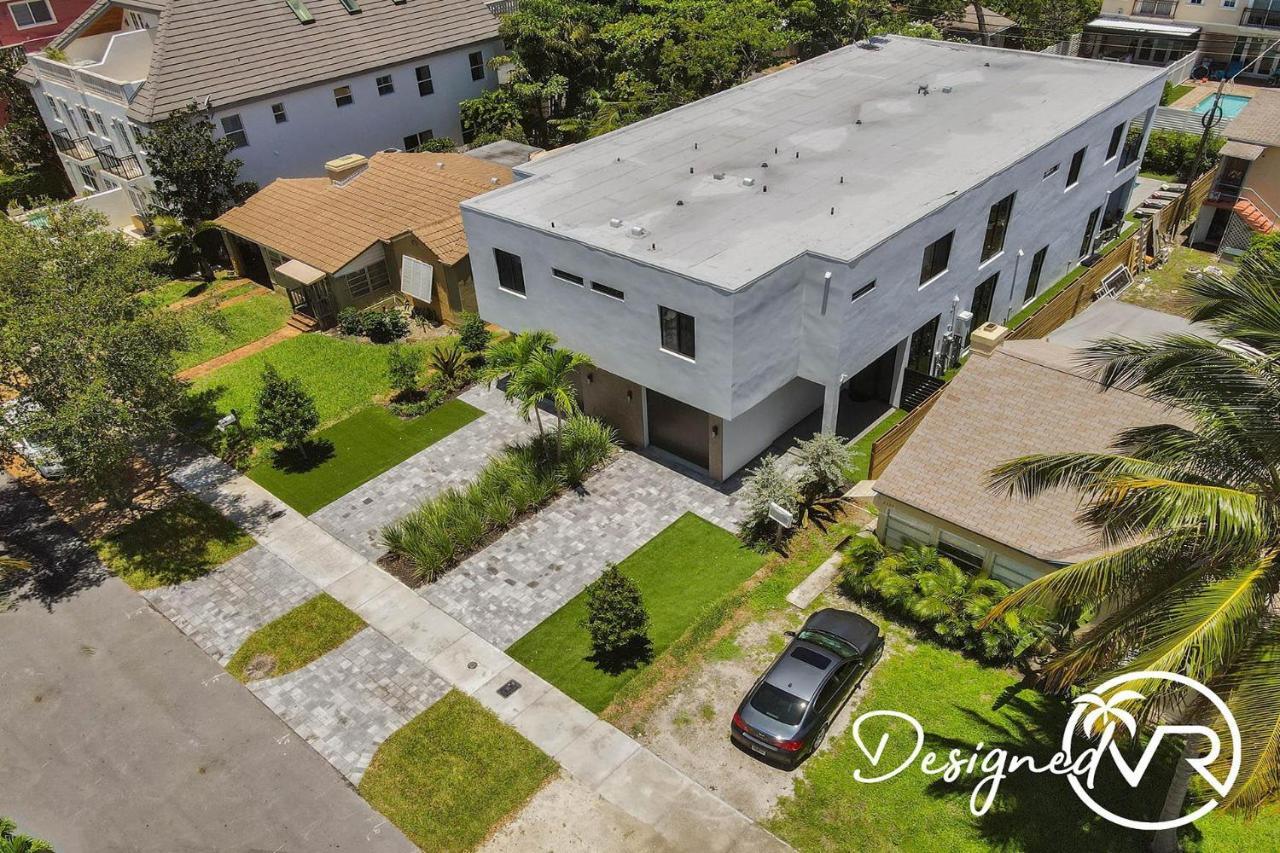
x=857 y=630
x=797 y=677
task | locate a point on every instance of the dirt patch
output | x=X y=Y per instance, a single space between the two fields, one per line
x=90 y=517
x=565 y=816
x=400 y=567
x=261 y=666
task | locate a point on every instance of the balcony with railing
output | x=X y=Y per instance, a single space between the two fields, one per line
x=1262 y=15
x=126 y=167
x=109 y=65
x=1155 y=8
x=76 y=147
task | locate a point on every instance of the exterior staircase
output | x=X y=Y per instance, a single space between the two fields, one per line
x=1253 y=217
x=303 y=322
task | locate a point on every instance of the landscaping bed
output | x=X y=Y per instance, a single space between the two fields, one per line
x=453 y=774
x=680 y=572
x=297 y=638
x=354 y=451
x=179 y=542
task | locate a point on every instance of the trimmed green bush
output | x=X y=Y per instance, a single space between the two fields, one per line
x=380 y=325
x=616 y=617
x=1169 y=152
x=450 y=526
x=473 y=333
x=767 y=483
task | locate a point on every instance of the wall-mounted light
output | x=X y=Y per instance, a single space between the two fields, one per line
x=591 y=377
x=715 y=430
x=629 y=395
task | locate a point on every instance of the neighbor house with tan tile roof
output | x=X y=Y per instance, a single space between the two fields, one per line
x=1022 y=398
x=370 y=228
x=1245 y=197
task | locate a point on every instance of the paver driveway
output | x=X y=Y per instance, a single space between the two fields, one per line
x=118 y=734
x=502 y=592
x=358 y=516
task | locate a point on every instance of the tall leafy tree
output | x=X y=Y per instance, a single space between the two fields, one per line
x=24 y=141
x=196 y=177
x=1192 y=512
x=76 y=338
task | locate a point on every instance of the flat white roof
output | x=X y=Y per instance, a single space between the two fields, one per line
x=910 y=155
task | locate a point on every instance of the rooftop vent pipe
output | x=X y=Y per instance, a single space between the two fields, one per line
x=748 y=182
x=637 y=231
x=615 y=223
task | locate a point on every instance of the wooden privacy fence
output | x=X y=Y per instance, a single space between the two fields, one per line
x=1070 y=301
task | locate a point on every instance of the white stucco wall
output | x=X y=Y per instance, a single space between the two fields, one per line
x=748 y=434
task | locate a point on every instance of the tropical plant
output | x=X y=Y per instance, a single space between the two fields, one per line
x=1190 y=509
x=12 y=565
x=511 y=354
x=286 y=412
x=180 y=240
x=451 y=363
x=616 y=616
x=824 y=461
x=549 y=376
x=12 y=842
x=767 y=483
x=473 y=332
x=403 y=366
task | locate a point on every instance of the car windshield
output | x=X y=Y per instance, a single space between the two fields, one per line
x=828 y=642
x=779 y=704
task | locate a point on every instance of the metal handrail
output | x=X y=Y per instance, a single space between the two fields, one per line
x=1256 y=199
x=1267 y=19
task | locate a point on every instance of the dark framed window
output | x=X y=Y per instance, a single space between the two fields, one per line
x=414 y=141
x=342 y=96
x=1077 y=160
x=997 y=226
x=1086 y=245
x=568 y=277
x=510 y=271
x=233 y=129
x=386 y=85
x=862 y=291
x=1051 y=171
x=677 y=331
x=980 y=307
x=423 y=74
x=607 y=290
x=32 y=13
x=936 y=257
x=477 y=65
x=277 y=112
x=1117 y=135
x=961 y=552
x=1033 y=278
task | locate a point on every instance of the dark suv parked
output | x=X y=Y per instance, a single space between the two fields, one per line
x=786 y=713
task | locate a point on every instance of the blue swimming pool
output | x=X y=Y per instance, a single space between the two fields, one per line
x=1231 y=105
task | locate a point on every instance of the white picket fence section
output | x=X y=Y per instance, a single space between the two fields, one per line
x=1183 y=121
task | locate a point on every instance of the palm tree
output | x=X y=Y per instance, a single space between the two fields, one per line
x=180 y=238
x=510 y=355
x=12 y=842
x=549 y=375
x=12 y=564
x=1191 y=515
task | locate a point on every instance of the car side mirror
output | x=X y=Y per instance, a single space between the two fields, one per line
x=789 y=633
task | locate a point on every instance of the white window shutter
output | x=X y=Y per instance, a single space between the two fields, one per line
x=415 y=278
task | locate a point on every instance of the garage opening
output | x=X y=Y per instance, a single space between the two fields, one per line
x=679 y=428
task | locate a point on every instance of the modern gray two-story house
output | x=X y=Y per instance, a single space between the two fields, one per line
x=817 y=237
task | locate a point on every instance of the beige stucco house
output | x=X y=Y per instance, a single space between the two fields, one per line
x=370 y=228
x=1245 y=198
x=1024 y=397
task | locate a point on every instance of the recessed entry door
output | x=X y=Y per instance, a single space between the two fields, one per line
x=679 y=428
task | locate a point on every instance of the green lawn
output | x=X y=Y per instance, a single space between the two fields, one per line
x=861 y=448
x=452 y=774
x=680 y=572
x=342 y=374
x=246 y=321
x=354 y=451
x=1168 y=284
x=182 y=541
x=959 y=704
x=295 y=639
x=1176 y=92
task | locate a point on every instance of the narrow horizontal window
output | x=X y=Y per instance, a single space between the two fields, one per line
x=607 y=290
x=1051 y=171
x=568 y=277
x=862 y=291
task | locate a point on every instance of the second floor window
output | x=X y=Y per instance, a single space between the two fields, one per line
x=123 y=134
x=510 y=271
x=31 y=13
x=233 y=129
x=423 y=73
x=936 y=257
x=997 y=226
x=386 y=85
x=677 y=331
x=1073 y=174
x=278 y=113
x=1116 y=136
x=477 y=65
x=342 y=96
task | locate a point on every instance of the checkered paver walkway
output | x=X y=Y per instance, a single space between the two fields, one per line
x=505 y=590
x=348 y=702
x=220 y=610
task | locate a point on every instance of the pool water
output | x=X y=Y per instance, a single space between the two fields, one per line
x=37 y=220
x=1231 y=105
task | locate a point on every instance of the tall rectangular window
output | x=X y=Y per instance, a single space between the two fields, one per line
x=423 y=73
x=278 y=113
x=342 y=96
x=1073 y=174
x=1033 y=278
x=997 y=225
x=123 y=134
x=980 y=307
x=677 y=331
x=32 y=13
x=233 y=129
x=1086 y=245
x=90 y=178
x=510 y=271
x=1117 y=135
x=936 y=257
x=477 y=65
x=386 y=85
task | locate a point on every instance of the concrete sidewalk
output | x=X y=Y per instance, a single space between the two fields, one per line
x=595 y=753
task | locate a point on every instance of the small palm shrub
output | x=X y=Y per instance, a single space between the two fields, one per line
x=452 y=365
x=919 y=585
x=455 y=523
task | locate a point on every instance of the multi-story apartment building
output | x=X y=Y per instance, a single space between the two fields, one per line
x=826 y=234
x=1226 y=34
x=31 y=24
x=293 y=83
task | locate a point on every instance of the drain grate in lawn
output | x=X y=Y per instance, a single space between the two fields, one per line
x=681 y=571
x=452 y=774
x=292 y=641
x=355 y=451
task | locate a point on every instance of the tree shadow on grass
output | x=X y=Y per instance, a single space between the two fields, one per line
x=299 y=460
x=633 y=656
